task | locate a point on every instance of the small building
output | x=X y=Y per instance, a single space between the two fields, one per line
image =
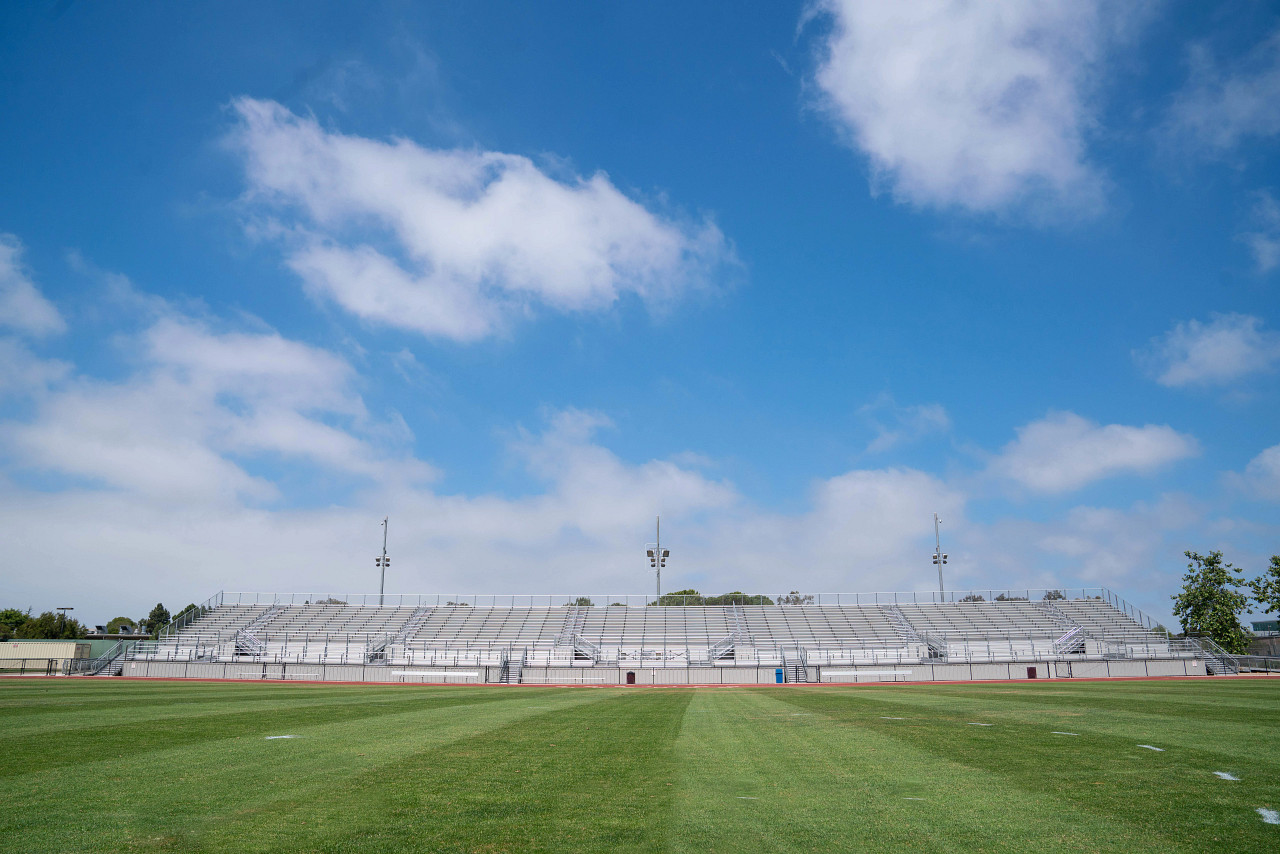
x=1266 y=627
x=49 y=657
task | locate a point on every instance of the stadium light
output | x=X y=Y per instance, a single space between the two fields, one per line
x=939 y=559
x=384 y=561
x=657 y=556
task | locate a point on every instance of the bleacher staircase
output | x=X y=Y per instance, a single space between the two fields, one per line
x=378 y=649
x=512 y=667
x=248 y=643
x=793 y=664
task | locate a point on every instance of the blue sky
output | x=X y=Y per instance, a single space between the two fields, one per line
x=795 y=276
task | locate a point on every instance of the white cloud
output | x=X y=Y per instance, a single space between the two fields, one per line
x=1063 y=452
x=580 y=532
x=1219 y=107
x=453 y=243
x=1134 y=551
x=204 y=403
x=22 y=307
x=1226 y=348
x=981 y=106
x=1264 y=240
x=23 y=373
x=896 y=424
x=1262 y=474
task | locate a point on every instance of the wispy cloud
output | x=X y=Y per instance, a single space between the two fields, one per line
x=1222 y=105
x=22 y=307
x=1262 y=475
x=1228 y=347
x=896 y=424
x=1263 y=238
x=455 y=243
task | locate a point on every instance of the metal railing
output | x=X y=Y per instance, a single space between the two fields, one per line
x=602 y=600
x=189 y=616
x=1258 y=663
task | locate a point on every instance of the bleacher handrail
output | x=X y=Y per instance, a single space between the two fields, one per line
x=636 y=600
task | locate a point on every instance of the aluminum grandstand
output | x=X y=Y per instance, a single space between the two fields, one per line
x=631 y=639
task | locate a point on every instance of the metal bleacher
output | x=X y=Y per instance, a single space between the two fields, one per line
x=515 y=632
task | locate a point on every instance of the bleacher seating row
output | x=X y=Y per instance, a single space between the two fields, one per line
x=658 y=636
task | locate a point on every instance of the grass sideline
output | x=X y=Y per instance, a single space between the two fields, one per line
x=114 y=765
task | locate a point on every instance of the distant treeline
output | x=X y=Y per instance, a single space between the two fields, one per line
x=47 y=626
x=21 y=625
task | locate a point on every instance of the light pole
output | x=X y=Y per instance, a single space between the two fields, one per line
x=63 y=625
x=384 y=561
x=939 y=559
x=657 y=556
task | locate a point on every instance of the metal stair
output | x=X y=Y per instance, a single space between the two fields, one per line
x=378 y=649
x=110 y=663
x=722 y=648
x=1073 y=636
x=1217 y=661
x=573 y=623
x=248 y=643
x=585 y=649
x=511 y=668
x=741 y=631
x=793 y=665
x=908 y=633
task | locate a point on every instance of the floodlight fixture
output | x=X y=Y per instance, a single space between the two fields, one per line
x=657 y=556
x=939 y=559
x=383 y=561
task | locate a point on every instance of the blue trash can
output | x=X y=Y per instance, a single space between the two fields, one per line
x=777 y=674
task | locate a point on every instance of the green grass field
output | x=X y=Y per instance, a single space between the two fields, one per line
x=114 y=765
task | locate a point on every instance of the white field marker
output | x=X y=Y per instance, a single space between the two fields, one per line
x=1225 y=775
x=745 y=798
x=1149 y=747
x=974 y=723
x=1269 y=816
x=887 y=718
x=1055 y=732
x=913 y=799
x=280 y=736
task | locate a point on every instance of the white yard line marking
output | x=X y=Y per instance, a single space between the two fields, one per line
x=1225 y=775
x=280 y=736
x=1149 y=747
x=974 y=723
x=1055 y=732
x=887 y=718
x=913 y=799
x=745 y=798
x=1269 y=816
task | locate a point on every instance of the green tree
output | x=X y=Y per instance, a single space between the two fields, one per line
x=156 y=620
x=1210 y=603
x=114 y=626
x=681 y=597
x=11 y=619
x=50 y=626
x=1265 y=588
x=972 y=597
x=737 y=597
x=1053 y=596
x=795 y=597
x=582 y=602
